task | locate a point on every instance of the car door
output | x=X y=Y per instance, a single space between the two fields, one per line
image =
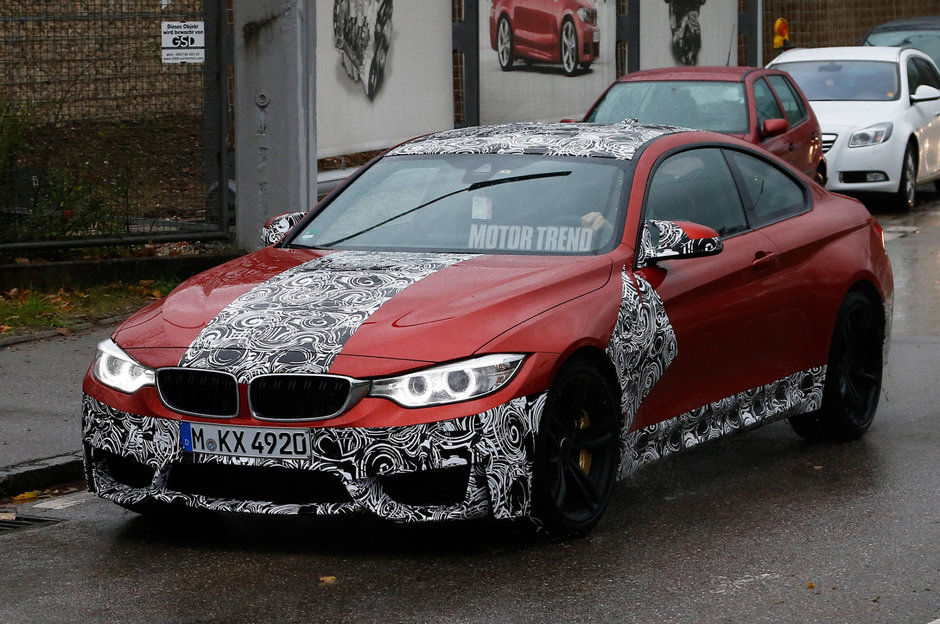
x=768 y=107
x=803 y=140
x=925 y=116
x=727 y=310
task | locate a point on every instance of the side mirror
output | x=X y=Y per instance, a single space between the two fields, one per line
x=925 y=93
x=277 y=227
x=773 y=127
x=672 y=240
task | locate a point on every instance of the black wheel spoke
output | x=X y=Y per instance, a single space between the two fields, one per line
x=582 y=484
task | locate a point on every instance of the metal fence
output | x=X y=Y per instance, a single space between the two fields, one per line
x=100 y=140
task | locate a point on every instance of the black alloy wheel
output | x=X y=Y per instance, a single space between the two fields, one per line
x=853 y=375
x=577 y=452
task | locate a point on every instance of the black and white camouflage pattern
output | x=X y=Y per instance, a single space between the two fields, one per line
x=299 y=320
x=496 y=444
x=797 y=394
x=278 y=227
x=643 y=344
x=620 y=141
x=673 y=242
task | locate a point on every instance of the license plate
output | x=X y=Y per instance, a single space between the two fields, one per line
x=274 y=443
x=597 y=36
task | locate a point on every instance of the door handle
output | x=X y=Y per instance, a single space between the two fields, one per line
x=763 y=260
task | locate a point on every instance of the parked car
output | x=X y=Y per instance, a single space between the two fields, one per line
x=879 y=109
x=552 y=31
x=498 y=321
x=922 y=33
x=762 y=106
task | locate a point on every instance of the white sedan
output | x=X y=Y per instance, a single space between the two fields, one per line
x=879 y=111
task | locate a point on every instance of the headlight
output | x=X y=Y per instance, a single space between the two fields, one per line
x=872 y=135
x=450 y=383
x=118 y=370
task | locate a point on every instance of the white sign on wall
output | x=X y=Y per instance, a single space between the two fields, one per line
x=183 y=42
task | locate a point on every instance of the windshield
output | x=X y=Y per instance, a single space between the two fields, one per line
x=924 y=40
x=703 y=105
x=481 y=203
x=863 y=81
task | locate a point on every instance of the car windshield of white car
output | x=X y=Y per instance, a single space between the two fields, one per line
x=863 y=81
x=704 y=105
x=479 y=203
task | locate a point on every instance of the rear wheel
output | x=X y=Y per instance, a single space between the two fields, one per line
x=853 y=375
x=577 y=452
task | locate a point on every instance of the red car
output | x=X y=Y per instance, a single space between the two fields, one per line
x=762 y=106
x=552 y=31
x=499 y=321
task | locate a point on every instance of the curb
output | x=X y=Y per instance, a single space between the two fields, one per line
x=58 y=333
x=39 y=474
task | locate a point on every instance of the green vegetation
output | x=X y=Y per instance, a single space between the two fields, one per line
x=26 y=311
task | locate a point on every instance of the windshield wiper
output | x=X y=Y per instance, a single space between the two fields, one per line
x=472 y=187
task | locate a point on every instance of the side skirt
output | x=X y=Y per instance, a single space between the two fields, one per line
x=797 y=394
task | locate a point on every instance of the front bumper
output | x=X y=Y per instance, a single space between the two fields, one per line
x=849 y=168
x=470 y=467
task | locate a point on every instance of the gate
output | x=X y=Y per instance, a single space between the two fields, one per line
x=101 y=140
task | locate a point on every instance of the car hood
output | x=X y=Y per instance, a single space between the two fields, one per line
x=281 y=310
x=836 y=116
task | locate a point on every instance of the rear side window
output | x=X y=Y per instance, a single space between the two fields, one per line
x=792 y=104
x=925 y=74
x=769 y=193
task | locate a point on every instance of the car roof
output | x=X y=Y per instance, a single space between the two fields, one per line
x=931 y=22
x=620 y=141
x=845 y=53
x=715 y=72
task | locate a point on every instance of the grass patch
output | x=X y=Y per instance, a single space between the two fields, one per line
x=29 y=310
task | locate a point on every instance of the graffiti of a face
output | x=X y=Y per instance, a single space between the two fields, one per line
x=686 y=30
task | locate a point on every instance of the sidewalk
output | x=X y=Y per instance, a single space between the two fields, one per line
x=40 y=408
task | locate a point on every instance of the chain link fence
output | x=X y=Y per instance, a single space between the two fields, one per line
x=100 y=141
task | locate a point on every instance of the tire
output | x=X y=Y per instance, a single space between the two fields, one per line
x=577 y=452
x=569 y=47
x=504 y=44
x=820 y=176
x=853 y=375
x=907 y=187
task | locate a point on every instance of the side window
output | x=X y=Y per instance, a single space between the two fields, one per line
x=767 y=107
x=913 y=75
x=697 y=186
x=770 y=193
x=928 y=75
x=792 y=104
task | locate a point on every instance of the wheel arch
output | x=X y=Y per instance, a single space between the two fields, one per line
x=597 y=358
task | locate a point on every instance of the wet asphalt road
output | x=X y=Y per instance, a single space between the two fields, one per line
x=761 y=527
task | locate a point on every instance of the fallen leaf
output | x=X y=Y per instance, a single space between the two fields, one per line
x=6 y=516
x=810 y=585
x=25 y=496
x=327 y=580
x=63 y=331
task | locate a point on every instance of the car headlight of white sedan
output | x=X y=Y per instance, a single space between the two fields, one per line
x=873 y=135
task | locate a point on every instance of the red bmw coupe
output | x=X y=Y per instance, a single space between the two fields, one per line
x=552 y=31
x=499 y=322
